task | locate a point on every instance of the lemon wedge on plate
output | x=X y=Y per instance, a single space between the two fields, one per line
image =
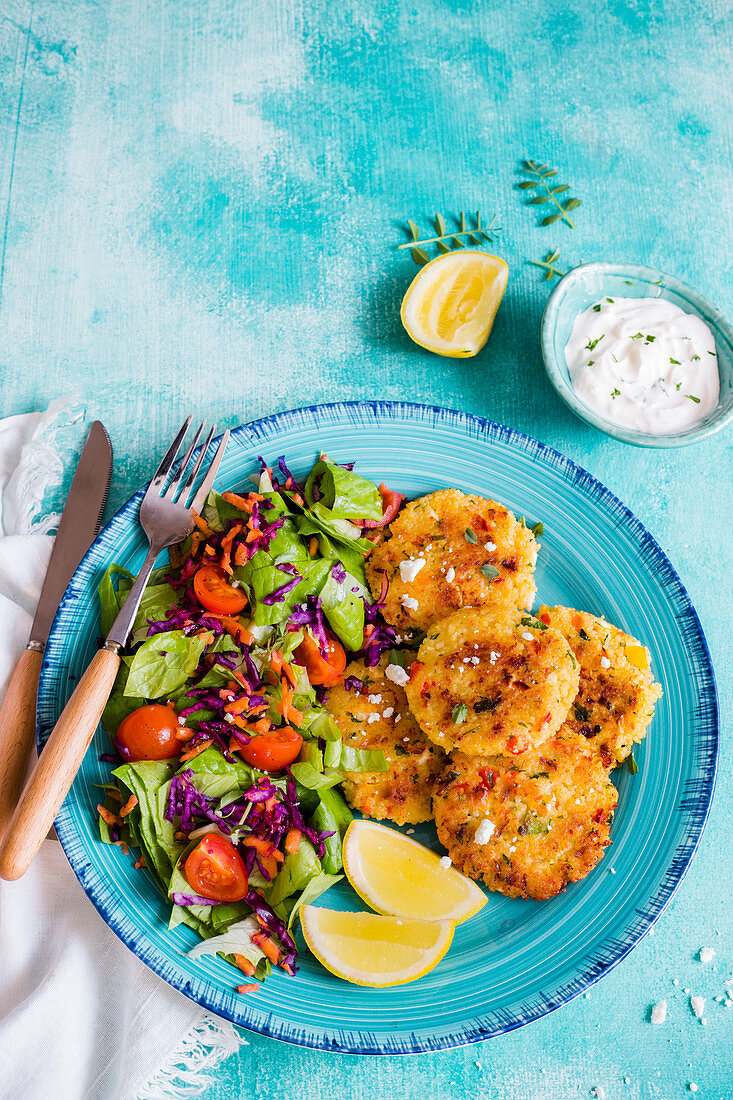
x=451 y=303
x=396 y=875
x=368 y=949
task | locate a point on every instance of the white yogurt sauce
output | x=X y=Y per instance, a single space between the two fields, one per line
x=644 y=363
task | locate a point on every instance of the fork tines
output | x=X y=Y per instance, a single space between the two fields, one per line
x=179 y=491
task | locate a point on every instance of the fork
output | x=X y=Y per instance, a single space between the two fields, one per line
x=167 y=517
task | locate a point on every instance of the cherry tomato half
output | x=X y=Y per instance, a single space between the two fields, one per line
x=215 y=592
x=327 y=670
x=216 y=871
x=390 y=507
x=149 y=733
x=269 y=752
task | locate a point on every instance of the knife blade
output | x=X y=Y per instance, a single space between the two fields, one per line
x=79 y=525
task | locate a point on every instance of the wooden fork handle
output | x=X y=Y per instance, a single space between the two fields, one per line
x=57 y=766
x=17 y=730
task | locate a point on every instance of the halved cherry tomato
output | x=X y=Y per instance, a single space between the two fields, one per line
x=216 y=871
x=215 y=593
x=149 y=733
x=326 y=671
x=269 y=752
x=390 y=507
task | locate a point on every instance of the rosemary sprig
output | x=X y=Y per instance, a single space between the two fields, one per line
x=546 y=192
x=548 y=264
x=446 y=241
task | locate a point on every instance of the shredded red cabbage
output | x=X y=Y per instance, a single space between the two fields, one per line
x=280 y=593
x=193 y=899
x=354 y=683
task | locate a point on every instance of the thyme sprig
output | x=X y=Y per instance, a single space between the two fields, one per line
x=547 y=192
x=448 y=241
x=548 y=265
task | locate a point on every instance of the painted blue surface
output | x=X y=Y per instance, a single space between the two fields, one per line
x=524 y=959
x=198 y=209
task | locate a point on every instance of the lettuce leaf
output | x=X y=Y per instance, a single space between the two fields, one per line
x=346 y=495
x=163 y=663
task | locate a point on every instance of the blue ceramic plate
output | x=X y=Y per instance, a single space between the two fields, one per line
x=516 y=960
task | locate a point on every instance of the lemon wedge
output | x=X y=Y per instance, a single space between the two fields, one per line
x=451 y=303
x=396 y=875
x=368 y=949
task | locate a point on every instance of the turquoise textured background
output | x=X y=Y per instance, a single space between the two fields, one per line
x=199 y=207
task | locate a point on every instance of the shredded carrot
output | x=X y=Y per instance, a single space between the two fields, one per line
x=209 y=551
x=298 y=499
x=190 y=753
x=184 y=733
x=264 y=847
x=288 y=671
x=254 y=988
x=140 y=863
x=266 y=946
x=107 y=816
x=240 y=555
x=313 y=546
x=289 y=969
x=262 y=725
x=226 y=563
x=129 y=805
x=115 y=795
x=237 y=706
x=276 y=661
x=226 y=542
x=269 y=804
x=292 y=840
x=195 y=543
x=244 y=965
x=202 y=525
x=122 y=845
x=235 y=628
x=207 y=634
x=238 y=502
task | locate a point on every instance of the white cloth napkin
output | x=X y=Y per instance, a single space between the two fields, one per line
x=80 y=1016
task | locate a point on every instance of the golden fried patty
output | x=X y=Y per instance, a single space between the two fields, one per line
x=617 y=693
x=527 y=825
x=449 y=550
x=376 y=716
x=490 y=681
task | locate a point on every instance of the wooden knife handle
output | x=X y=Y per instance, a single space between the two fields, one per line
x=17 y=730
x=57 y=766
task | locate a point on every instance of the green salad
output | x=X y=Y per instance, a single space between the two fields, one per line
x=227 y=765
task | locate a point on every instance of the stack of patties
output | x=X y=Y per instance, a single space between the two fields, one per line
x=533 y=712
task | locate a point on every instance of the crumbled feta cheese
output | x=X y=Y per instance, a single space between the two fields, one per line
x=181 y=721
x=612 y=870
x=605 y=663
x=445 y=861
x=397 y=675
x=490 y=546
x=707 y=954
x=450 y=575
x=493 y=657
x=410 y=569
x=527 y=636
x=374 y=698
x=697 y=1004
x=659 y=1012
x=228 y=718
x=372 y=718
x=410 y=603
x=692 y=1086
x=484 y=832
x=387 y=712
x=410 y=831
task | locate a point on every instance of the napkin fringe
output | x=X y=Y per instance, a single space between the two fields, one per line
x=190 y=1068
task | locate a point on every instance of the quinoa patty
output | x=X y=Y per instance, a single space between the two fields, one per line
x=450 y=550
x=491 y=681
x=376 y=716
x=617 y=693
x=527 y=825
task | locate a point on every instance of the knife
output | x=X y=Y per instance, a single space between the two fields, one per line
x=79 y=526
